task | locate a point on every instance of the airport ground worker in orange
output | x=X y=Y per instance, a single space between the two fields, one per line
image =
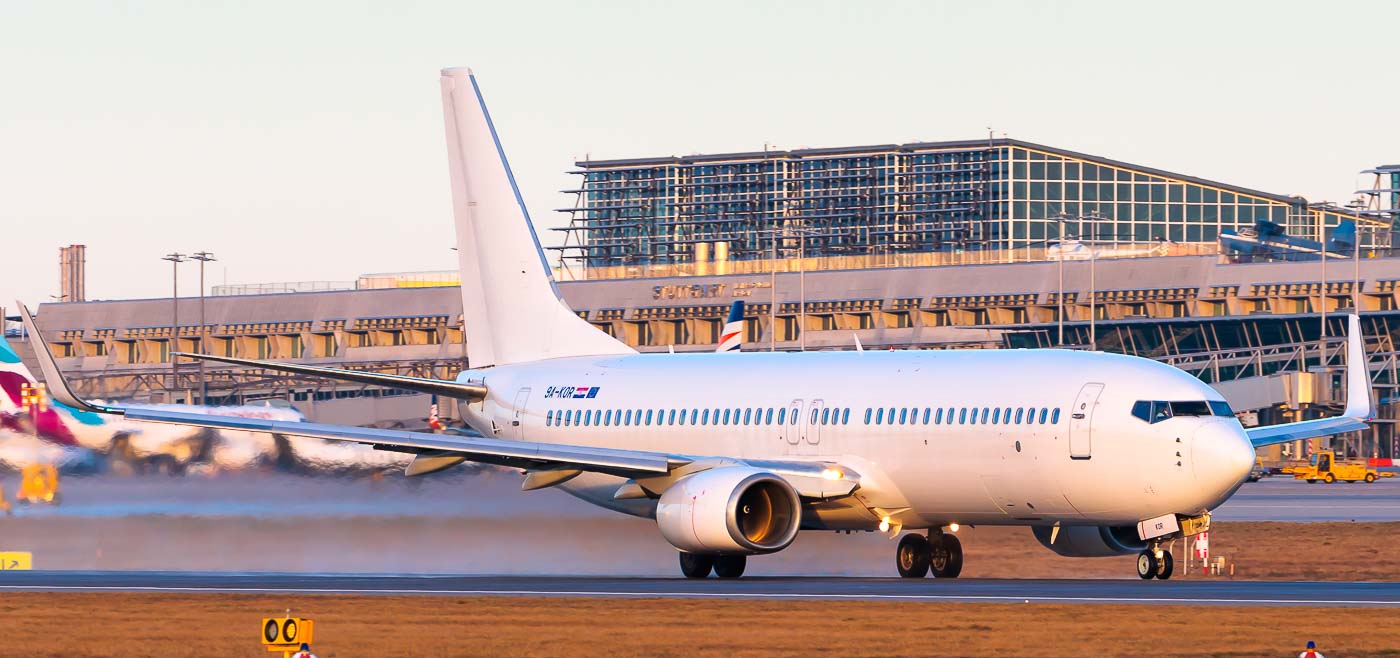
x=1311 y=651
x=305 y=651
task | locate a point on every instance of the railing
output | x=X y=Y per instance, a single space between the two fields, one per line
x=887 y=260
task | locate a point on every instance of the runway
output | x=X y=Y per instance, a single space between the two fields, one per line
x=1180 y=592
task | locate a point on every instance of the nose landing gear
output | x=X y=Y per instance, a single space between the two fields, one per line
x=1155 y=562
x=939 y=553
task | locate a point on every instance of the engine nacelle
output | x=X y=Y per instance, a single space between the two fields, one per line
x=731 y=509
x=1091 y=541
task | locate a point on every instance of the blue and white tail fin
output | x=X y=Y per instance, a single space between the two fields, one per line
x=732 y=338
x=512 y=310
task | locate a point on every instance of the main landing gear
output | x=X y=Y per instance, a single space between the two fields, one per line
x=699 y=565
x=1154 y=562
x=940 y=553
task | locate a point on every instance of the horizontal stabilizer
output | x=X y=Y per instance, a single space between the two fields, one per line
x=460 y=390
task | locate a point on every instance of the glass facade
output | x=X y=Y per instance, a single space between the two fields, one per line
x=929 y=197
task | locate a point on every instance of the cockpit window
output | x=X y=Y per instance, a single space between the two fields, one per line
x=1156 y=411
x=1221 y=408
x=1191 y=408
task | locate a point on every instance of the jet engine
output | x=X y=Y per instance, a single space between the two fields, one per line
x=732 y=509
x=1091 y=541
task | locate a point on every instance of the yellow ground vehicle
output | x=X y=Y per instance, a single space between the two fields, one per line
x=1324 y=466
x=38 y=483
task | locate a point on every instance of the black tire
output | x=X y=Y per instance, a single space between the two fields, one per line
x=1312 y=481
x=911 y=558
x=1147 y=565
x=696 y=565
x=730 y=566
x=946 y=557
x=1164 y=566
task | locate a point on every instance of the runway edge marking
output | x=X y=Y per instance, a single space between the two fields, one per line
x=715 y=595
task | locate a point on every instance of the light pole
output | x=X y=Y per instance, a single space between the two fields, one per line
x=203 y=257
x=175 y=259
x=1060 y=314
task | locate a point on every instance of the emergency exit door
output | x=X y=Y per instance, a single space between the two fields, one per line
x=517 y=414
x=1081 y=421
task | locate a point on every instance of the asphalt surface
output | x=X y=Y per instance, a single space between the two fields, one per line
x=1281 y=498
x=1250 y=593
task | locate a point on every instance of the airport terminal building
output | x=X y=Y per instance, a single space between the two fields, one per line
x=997 y=200
x=925 y=246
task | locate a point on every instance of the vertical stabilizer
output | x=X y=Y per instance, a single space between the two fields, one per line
x=512 y=311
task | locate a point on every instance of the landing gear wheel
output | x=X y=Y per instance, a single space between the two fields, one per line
x=1329 y=478
x=1370 y=477
x=730 y=566
x=1164 y=566
x=912 y=556
x=946 y=557
x=1147 y=565
x=695 y=565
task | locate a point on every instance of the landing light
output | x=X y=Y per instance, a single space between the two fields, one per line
x=952 y=527
x=885 y=524
x=832 y=474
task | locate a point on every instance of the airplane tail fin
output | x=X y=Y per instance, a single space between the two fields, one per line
x=732 y=338
x=14 y=376
x=511 y=307
x=1343 y=238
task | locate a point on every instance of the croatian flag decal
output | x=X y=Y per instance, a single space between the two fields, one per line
x=585 y=392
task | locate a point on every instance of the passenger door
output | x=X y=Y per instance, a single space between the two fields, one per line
x=517 y=414
x=1081 y=421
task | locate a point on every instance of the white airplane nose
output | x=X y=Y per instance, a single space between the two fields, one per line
x=1221 y=456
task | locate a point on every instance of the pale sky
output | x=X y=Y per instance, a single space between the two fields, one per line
x=304 y=141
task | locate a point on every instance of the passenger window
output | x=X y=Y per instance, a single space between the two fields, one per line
x=903 y=416
x=694 y=415
x=1055 y=417
x=1020 y=411
x=748 y=416
x=671 y=417
x=880 y=416
x=768 y=417
x=867 y=415
x=548 y=418
x=890 y=415
x=938 y=417
x=826 y=416
x=782 y=415
x=726 y=417
x=996 y=416
x=962 y=416
x=627 y=419
x=1043 y=412
x=846 y=416
x=928 y=413
x=649 y=415
x=792 y=417
x=705 y=418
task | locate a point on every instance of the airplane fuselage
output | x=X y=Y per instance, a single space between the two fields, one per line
x=1015 y=437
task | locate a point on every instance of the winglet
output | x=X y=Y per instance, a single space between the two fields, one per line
x=1358 y=377
x=53 y=378
x=52 y=375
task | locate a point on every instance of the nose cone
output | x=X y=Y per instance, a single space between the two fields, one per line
x=1221 y=458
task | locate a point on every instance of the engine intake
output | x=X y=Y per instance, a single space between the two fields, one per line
x=732 y=509
x=1091 y=541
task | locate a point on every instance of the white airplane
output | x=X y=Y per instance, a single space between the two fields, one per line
x=733 y=454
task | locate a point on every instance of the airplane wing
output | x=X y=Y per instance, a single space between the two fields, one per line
x=1358 y=408
x=812 y=480
x=462 y=390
